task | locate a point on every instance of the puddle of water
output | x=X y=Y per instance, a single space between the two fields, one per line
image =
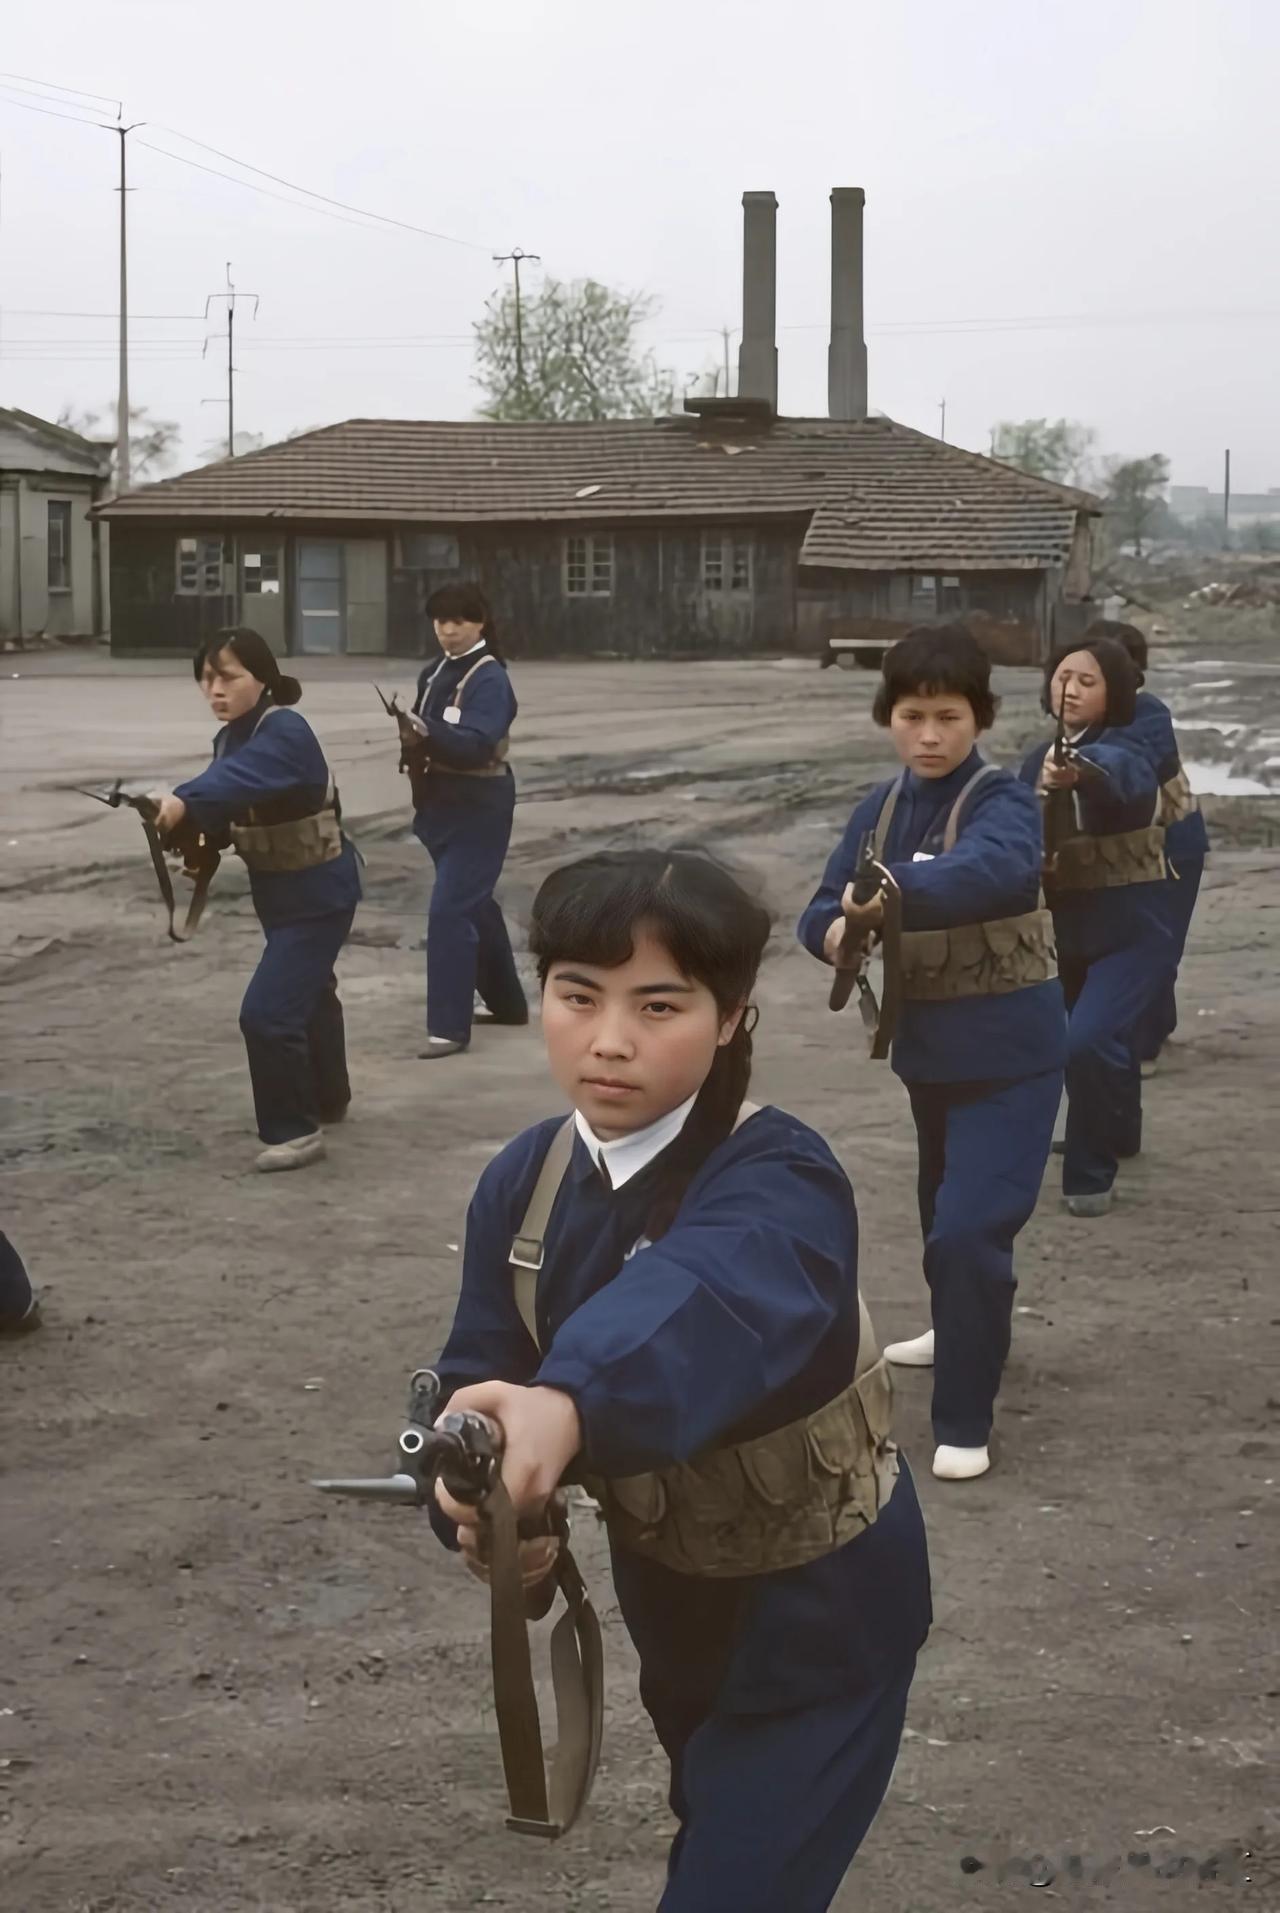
x=1219 y=780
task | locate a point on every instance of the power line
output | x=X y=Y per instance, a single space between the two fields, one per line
x=49 y=112
x=386 y=218
x=51 y=86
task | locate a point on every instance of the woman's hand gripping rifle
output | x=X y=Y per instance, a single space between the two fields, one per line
x=200 y=853
x=872 y=906
x=411 y=728
x=463 y=1450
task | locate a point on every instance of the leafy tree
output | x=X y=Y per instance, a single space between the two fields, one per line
x=576 y=356
x=152 y=441
x=1135 y=497
x=1058 y=449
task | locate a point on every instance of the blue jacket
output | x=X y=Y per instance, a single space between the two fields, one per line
x=487 y=713
x=279 y=761
x=993 y=871
x=743 y=1317
x=1188 y=840
x=1094 y=923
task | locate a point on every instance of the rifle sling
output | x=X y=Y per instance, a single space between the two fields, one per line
x=577 y=1670
x=204 y=878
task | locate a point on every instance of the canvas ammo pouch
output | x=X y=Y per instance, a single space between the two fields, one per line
x=750 y=1507
x=971 y=959
x=1177 y=799
x=1109 y=863
x=294 y=843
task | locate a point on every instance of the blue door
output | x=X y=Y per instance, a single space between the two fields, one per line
x=321 y=625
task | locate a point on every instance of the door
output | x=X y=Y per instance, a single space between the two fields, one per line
x=321 y=626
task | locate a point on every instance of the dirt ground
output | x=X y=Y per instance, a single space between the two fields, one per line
x=221 y=1692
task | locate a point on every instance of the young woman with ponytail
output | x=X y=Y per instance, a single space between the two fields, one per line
x=464 y=798
x=695 y=1352
x=270 y=789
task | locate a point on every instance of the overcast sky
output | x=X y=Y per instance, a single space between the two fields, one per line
x=1109 y=164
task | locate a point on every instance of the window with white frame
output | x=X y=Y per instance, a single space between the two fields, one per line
x=728 y=561
x=199 y=568
x=588 y=565
x=924 y=589
x=59 y=544
x=261 y=573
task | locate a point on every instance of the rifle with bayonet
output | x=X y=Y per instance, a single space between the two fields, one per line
x=879 y=1017
x=463 y=1450
x=200 y=853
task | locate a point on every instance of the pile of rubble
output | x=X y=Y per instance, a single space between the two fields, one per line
x=1259 y=593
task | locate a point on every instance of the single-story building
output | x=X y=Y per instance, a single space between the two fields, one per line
x=727 y=530
x=53 y=578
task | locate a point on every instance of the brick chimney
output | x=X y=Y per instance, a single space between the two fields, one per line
x=847 y=353
x=758 y=354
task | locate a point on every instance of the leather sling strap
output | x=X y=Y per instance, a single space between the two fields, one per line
x=952 y=828
x=204 y=877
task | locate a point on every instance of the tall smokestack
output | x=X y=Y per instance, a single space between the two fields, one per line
x=758 y=355
x=847 y=353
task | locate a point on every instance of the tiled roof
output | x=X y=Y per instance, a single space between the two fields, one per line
x=878 y=495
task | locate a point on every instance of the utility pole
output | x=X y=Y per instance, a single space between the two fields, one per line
x=123 y=474
x=230 y=295
x=1226 y=501
x=728 y=382
x=516 y=258
x=942 y=407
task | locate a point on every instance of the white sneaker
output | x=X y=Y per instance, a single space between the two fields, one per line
x=1148 y=1068
x=960 y=1464
x=1092 y=1205
x=914 y=1354
x=292 y=1155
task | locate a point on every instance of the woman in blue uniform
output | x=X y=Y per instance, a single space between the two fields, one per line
x=1186 y=839
x=270 y=786
x=981 y=1039
x=1106 y=881
x=464 y=799
x=697 y=1303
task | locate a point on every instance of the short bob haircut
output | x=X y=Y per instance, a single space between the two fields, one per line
x=937 y=660
x=1127 y=636
x=1120 y=674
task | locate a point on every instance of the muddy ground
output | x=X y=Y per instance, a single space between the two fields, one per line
x=219 y=1692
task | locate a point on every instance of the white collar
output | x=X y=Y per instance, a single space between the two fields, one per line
x=457 y=656
x=630 y=1154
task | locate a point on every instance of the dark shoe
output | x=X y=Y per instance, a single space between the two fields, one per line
x=438 y=1047
x=1059 y=1146
x=501 y=1022
x=328 y=1117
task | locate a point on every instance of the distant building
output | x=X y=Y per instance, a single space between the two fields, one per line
x=52 y=554
x=725 y=531
x=1193 y=502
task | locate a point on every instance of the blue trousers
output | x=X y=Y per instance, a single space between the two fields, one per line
x=1106 y=997
x=468 y=949
x=982 y=1153
x=773 y=1807
x=293 y=1031
x=1160 y=1019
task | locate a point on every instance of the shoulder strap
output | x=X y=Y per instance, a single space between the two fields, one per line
x=952 y=830
x=527 y=1250
x=880 y=835
x=465 y=679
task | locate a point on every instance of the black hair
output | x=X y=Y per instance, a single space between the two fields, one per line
x=1126 y=635
x=937 y=660
x=466 y=601
x=251 y=649
x=1119 y=673
x=716 y=933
